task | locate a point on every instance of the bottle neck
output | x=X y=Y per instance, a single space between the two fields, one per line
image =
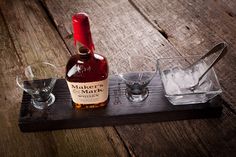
x=82 y=34
x=83 y=51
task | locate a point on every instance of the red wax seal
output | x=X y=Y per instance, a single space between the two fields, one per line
x=82 y=32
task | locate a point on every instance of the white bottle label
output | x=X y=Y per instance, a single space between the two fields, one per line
x=89 y=92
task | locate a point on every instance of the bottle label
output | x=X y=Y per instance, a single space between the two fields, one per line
x=89 y=92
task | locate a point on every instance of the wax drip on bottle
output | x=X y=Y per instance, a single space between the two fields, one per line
x=82 y=34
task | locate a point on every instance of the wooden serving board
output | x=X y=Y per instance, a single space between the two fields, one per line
x=119 y=111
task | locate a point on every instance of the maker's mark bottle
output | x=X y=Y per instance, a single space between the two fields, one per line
x=86 y=72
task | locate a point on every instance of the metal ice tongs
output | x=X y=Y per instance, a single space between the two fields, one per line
x=220 y=50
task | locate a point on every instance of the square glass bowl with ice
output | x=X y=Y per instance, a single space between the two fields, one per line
x=177 y=78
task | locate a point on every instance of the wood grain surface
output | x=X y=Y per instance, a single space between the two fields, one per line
x=32 y=31
x=194 y=27
x=35 y=39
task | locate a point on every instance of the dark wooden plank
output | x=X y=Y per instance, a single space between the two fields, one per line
x=194 y=27
x=119 y=30
x=119 y=110
x=35 y=39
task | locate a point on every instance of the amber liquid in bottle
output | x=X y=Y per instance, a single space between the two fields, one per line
x=90 y=70
x=86 y=72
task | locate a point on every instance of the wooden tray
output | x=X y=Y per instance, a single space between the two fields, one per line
x=119 y=111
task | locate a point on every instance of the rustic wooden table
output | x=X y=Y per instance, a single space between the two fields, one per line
x=34 y=30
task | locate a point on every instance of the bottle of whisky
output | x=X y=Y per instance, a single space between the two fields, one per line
x=86 y=72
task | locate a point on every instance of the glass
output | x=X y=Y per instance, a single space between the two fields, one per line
x=177 y=77
x=137 y=71
x=38 y=80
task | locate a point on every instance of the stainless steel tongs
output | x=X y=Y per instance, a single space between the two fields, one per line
x=220 y=50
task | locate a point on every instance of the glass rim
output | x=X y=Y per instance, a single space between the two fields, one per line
x=153 y=74
x=195 y=93
x=179 y=57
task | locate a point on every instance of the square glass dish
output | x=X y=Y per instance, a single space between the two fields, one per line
x=177 y=76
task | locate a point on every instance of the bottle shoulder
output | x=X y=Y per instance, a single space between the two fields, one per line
x=87 y=69
x=99 y=57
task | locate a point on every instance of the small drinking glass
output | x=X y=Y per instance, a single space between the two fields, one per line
x=137 y=71
x=38 y=80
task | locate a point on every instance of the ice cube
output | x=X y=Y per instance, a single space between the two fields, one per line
x=182 y=78
x=178 y=74
x=170 y=85
x=204 y=86
x=179 y=81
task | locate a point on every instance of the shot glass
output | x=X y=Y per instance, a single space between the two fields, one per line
x=137 y=71
x=38 y=80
